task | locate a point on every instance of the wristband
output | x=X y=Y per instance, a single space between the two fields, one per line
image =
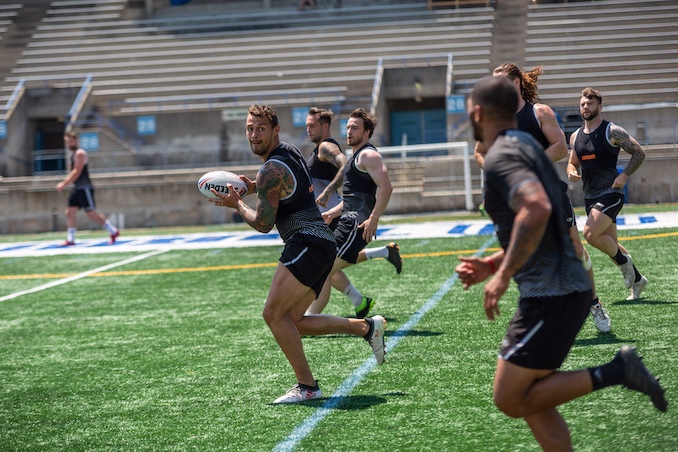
x=493 y=266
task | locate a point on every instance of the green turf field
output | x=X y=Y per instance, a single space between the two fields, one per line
x=170 y=353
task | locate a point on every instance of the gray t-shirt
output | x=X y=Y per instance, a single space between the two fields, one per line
x=554 y=269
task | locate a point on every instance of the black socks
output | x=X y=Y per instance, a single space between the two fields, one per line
x=609 y=374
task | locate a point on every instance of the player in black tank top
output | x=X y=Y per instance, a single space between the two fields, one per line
x=595 y=149
x=285 y=198
x=82 y=193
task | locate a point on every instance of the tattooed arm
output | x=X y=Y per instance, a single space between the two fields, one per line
x=533 y=209
x=620 y=137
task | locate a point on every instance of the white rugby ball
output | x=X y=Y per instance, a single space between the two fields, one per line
x=218 y=180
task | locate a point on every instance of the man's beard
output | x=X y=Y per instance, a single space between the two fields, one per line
x=590 y=115
x=477 y=131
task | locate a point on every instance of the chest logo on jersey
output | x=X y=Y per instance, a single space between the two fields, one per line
x=589 y=157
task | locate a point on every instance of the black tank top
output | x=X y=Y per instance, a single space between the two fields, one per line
x=527 y=122
x=359 y=190
x=298 y=213
x=598 y=160
x=83 y=180
x=320 y=169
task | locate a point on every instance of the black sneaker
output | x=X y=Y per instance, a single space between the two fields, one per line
x=394 y=256
x=639 y=378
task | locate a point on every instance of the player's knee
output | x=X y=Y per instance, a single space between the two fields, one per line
x=508 y=405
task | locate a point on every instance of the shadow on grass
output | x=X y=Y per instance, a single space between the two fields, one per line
x=386 y=333
x=641 y=301
x=346 y=403
x=601 y=338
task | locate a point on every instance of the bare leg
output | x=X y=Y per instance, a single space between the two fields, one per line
x=324 y=297
x=579 y=249
x=287 y=301
x=96 y=217
x=550 y=430
x=71 y=213
x=601 y=233
x=534 y=394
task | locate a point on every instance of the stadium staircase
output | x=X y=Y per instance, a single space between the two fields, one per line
x=215 y=57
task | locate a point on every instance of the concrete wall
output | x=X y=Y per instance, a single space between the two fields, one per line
x=170 y=198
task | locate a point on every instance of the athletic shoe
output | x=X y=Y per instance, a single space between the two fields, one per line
x=299 y=394
x=639 y=378
x=362 y=310
x=637 y=288
x=376 y=339
x=394 y=256
x=67 y=243
x=113 y=237
x=600 y=318
x=627 y=271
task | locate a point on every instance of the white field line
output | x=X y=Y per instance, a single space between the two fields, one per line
x=306 y=427
x=81 y=275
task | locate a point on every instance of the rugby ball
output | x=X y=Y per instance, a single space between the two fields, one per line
x=218 y=180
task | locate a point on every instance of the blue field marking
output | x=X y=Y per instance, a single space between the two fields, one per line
x=459 y=229
x=258 y=236
x=487 y=230
x=216 y=238
x=211 y=240
x=14 y=247
x=307 y=426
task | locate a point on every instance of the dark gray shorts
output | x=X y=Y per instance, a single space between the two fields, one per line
x=543 y=330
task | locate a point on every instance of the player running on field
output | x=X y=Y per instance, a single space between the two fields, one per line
x=285 y=200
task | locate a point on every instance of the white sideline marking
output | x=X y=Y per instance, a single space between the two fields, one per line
x=307 y=426
x=81 y=275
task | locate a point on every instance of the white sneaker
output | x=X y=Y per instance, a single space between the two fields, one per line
x=376 y=340
x=637 y=288
x=299 y=394
x=600 y=318
x=627 y=271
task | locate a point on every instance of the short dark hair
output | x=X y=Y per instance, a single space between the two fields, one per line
x=497 y=97
x=369 y=120
x=71 y=134
x=264 y=111
x=591 y=93
x=324 y=116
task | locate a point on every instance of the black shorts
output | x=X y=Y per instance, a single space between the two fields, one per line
x=82 y=198
x=349 y=239
x=610 y=204
x=543 y=330
x=310 y=259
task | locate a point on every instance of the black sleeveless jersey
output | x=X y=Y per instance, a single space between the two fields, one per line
x=320 y=169
x=527 y=122
x=298 y=213
x=359 y=190
x=83 y=180
x=598 y=160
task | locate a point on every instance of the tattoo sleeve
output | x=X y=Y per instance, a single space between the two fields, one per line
x=533 y=210
x=274 y=181
x=621 y=138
